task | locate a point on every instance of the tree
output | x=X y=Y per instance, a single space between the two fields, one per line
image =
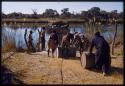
x=121 y=15
x=94 y=12
x=34 y=15
x=85 y=15
x=14 y=15
x=113 y=16
x=104 y=16
x=65 y=13
x=3 y=15
x=34 y=11
x=50 y=13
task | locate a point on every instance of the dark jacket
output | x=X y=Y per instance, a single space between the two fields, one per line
x=102 y=55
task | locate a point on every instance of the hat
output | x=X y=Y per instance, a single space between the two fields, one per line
x=97 y=33
x=31 y=31
x=43 y=28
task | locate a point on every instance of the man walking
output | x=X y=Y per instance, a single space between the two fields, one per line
x=102 y=55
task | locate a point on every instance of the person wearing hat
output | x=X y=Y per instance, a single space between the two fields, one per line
x=102 y=55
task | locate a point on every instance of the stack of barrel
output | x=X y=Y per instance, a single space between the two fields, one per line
x=65 y=52
x=87 y=59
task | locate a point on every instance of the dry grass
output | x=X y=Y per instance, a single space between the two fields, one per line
x=37 y=68
x=9 y=46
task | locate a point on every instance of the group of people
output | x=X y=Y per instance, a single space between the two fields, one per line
x=102 y=55
x=41 y=41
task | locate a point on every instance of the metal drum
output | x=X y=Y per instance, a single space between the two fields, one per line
x=63 y=52
x=88 y=60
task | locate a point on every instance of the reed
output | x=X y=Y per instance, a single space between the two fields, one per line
x=10 y=42
x=9 y=45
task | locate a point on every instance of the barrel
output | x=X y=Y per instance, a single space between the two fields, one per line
x=88 y=60
x=72 y=52
x=63 y=52
x=58 y=52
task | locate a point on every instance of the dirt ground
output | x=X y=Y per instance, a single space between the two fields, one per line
x=37 y=68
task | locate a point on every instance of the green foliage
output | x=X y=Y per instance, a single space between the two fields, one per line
x=94 y=14
x=50 y=13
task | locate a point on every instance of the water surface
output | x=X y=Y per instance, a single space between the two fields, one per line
x=16 y=34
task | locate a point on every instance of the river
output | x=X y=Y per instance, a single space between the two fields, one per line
x=16 y=34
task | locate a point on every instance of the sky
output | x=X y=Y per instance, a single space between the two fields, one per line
x=77 y=7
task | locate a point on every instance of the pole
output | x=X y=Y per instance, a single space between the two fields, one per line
x=113 y=43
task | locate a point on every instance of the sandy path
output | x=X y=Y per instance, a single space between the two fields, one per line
x=37 y=68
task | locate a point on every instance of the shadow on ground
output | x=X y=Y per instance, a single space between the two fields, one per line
x=8 y=77
x=71 y=58
x=113 y=71
x=75 y=58
x=116 y=70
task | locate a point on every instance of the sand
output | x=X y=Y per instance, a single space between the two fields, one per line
x=38 y=68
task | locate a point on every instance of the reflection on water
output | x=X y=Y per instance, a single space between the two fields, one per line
x=18 y=33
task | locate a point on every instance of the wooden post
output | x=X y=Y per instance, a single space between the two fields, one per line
x=94 y=24
x=113 y=42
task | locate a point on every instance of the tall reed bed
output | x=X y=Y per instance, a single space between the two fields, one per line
x=90 y=30
x=8 y=42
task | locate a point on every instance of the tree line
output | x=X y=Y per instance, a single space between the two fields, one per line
x=94 y=13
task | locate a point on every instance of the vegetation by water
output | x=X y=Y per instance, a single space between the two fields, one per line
x=13 y=35
x=93 y=14
x=94 y=19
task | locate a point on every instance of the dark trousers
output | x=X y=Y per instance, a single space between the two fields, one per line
x=102 y=61
x=65 y=53
x=65 y=50
x=31 y=47
x=42 y=43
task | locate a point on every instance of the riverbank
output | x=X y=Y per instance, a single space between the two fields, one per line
x=43 y=20
x=51 y=20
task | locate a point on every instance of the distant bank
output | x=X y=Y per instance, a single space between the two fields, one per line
x=49 y=20
x=43 y=20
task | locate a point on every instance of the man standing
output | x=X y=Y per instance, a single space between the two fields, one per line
x=102 y=55
x=42 y=36
x=54 y=36
x=30 y=41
